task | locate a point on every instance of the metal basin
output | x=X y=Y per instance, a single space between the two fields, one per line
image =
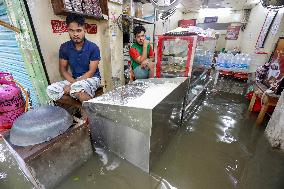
x=40 y=125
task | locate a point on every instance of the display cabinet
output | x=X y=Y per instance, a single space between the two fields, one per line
x=186 y=56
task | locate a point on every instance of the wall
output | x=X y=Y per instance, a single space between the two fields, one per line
x=42 y=14
x=253 y=29
x=116 y=45
x=223 y=17
x=234 y=17
x=162 y=26
x=221 y=43
x=248 y=38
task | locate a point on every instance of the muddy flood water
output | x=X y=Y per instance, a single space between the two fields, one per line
x=218 y=147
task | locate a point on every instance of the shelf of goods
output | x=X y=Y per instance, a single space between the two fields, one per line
x=186 y=56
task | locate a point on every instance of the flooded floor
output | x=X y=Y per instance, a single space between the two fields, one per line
x=11 y=176
x=218 y=147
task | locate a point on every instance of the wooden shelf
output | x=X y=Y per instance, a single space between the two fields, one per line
x=9 y=26
x=59 y=9
x=138 y=20
x=142 y=1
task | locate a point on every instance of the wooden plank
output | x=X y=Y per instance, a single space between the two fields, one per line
x=9 y=26
x=59 y=9
x=262 y=113
x=30 y=152
x=252 y=102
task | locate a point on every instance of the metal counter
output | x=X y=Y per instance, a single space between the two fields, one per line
x=136 y=121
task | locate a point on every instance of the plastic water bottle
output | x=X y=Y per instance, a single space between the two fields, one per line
x=222 y=61
x=226 y=65
x=206 y=59
x=232 y=62
x=228 y=58
x=209 y=59
x=242 y=62
x=248 y=62
x=237 y=62
x=196 y=59
x=225 y=62
x=219 y=61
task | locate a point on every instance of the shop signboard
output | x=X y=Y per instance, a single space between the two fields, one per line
x=233 y=32
x=213 y=19
x=186 y=23
x=265 y=28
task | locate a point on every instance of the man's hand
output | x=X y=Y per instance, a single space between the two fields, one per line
x=63 y=69
x=92 y=70
x=145 y=64
x=145 y=43
x=67 y=89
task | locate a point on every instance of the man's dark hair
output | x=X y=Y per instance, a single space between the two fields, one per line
x=139 y=29
x=80 y=20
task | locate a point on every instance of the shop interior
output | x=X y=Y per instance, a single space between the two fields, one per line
x=211 y=116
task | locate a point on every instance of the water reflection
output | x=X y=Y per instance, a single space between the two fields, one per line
x=162 y=183
x=11 y=175
x=3 y=175
x=226 y=127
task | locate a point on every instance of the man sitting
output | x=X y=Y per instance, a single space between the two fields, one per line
x=82 y=56
x=142 y=55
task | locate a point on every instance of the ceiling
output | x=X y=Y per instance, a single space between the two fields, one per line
x=195 y=5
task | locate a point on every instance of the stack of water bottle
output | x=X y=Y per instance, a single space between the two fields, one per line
x=237 y=63
x=203 y=58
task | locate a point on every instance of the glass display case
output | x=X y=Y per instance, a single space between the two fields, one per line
x=186 y=56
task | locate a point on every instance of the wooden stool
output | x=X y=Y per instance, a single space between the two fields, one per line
x=72 y=109
x=267 y=100
x=99 y=91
